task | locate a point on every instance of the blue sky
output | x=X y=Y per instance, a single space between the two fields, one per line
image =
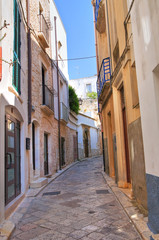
x=77 y=17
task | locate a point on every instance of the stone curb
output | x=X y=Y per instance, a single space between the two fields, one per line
x=6 y=229
x=138 y=220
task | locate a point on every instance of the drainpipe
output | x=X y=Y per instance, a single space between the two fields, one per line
x=58 y=89
x=29 y=64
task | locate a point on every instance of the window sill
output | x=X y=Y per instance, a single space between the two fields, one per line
x=12 y=90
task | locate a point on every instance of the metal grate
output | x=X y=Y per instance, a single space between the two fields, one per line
x=51 y=193
x=102 y=191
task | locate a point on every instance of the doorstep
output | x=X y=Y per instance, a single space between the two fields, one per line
x=6 y=229
x=138 y=219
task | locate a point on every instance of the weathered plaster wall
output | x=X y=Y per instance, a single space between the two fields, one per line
x=146 y=33
x=137 y=162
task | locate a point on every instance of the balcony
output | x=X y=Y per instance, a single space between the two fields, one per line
x=43 y=33
x=104 y=75
x=97 y=9
x=48 y=101
x=100 y=16
x=64 y=112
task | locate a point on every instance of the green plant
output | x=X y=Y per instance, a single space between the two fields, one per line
x=73 y=100
x=92 y=95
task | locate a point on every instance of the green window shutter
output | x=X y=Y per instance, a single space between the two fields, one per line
x=17 y=47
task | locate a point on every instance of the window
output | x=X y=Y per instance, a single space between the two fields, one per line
x=16 y=49
x=88 y=88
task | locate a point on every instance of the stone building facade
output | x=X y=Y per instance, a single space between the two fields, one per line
x=32 y=107
x=118 y=98
x=89 y=127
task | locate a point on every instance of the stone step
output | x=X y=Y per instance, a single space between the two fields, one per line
x=38 y=183
x=35 y=177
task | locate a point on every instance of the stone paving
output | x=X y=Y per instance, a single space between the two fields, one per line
x=77 y=205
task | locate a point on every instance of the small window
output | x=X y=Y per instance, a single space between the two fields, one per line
x=88 y=88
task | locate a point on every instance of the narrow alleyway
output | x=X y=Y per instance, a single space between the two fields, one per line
x=77 y=205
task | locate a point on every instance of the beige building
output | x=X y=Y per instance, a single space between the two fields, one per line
x=118 y=98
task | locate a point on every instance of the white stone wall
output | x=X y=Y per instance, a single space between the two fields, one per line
x=145 y=21
x=80 y=85
x=9 y=97
x=61 y=36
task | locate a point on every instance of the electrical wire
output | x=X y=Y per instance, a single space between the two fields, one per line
x=73 y=59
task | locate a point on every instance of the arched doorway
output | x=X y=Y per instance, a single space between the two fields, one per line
x=86 y=149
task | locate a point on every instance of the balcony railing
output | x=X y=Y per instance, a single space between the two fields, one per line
x=64 y=112
x=97 y=9
x=104 y=75
x=43 y=31
x=48 y=97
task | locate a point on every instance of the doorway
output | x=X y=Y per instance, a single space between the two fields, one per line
x=86 y=150
x=33 y=145
x=125 y=134
x=62 y=151
x=46 y=162
x=12 y=159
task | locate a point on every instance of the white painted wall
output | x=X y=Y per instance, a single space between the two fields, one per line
x=145 y=29
x=62 y=54
x=80 y=137
x=12 y=98
x=84 y=119
x=94 y=138
x=80 y=85
x=61 y=36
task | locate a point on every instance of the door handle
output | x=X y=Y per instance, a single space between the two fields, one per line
x=10 y=158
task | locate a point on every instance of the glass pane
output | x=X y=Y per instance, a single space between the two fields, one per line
x=11 y=191
x=10 y=126
x=10 y=174
x=10 y=157
x=10 y=142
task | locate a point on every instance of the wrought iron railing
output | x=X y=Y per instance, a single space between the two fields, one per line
x=64 y=112
x=104 y=75
x=97 y=9
x=43 y=26
x=48 y=97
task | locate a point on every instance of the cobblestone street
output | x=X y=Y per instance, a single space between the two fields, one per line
x=77 y=205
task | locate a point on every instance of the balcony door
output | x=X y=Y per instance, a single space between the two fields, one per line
x=12 y=159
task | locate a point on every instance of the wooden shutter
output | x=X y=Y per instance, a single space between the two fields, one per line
x=0 y=63
x=16 y=51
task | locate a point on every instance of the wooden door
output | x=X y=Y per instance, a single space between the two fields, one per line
x=46 y=164
x=33 y=145
x=86 y=143
x=125 y=135
x=62 y=151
